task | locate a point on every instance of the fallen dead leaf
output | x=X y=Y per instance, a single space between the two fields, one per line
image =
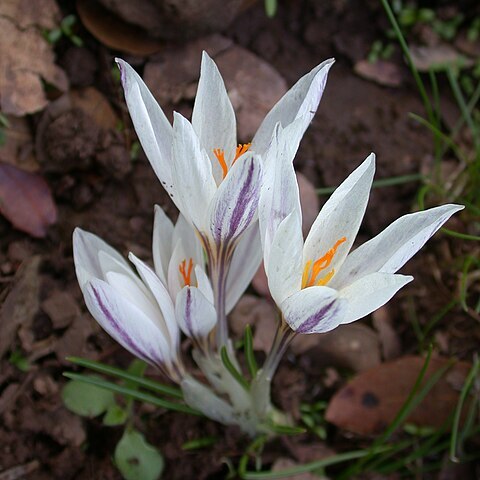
x=26 y=201
x=115 y=32
x=21 y=303
x=370 y=402
x=438 y=57
x=382 y=72
x=27 y=58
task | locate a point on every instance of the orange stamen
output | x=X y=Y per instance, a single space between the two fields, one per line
x=186 y=272
x=310 y=278
x=220 y=154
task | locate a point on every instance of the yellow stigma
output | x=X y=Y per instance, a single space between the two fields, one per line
x=220 y=154
x=312 y=269
x=186 y=271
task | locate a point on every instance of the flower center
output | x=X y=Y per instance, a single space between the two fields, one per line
x=186 y=271
x=220 y=154
x=312 y=269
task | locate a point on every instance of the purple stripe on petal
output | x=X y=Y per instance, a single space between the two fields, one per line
x=123 y=334
x=236 y=212
x=322 y=315
x=188 y=312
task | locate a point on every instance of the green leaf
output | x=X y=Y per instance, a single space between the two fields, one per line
x=86 y=399
x=137 y=459
x=116 y=415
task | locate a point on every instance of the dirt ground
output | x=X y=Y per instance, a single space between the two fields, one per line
x=81 y=143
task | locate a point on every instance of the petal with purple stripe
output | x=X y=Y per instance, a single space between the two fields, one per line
x=314 y=310
x=127 y=324
x=196 y=316
x=235 y=203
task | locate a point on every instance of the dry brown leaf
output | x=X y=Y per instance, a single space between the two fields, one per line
x=114 y=32
x=382 y=71
x=438 y=57
x=27 y=58
x=21 y=304
x=26 y=201
x=370 y=402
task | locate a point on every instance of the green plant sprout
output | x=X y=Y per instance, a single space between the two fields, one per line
x=66 y=30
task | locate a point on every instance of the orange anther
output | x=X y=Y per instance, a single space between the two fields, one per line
x=241 y=149
x=186 y=272
x=220 y=154
x=310 y=278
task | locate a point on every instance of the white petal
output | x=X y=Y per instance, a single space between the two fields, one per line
x=153 y=129
x=168 y=323
x=279 y=195
x=162 y=243
x=203 y=283
x=191 y=243
x=284 y=268
x=392 y=248
x=196 y=316
x=371 y=292
x=140 y=297
x=314 y=310
x=341 y=216
x=213 y=118
x=86 y=248
x=234 y=206
x=192 y=173
x=127 y=324
x=245 y=262
x=300 y=101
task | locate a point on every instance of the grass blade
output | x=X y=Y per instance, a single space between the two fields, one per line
x=119 y=373
x=231 y=368
x=135 y=394
x=249 y=355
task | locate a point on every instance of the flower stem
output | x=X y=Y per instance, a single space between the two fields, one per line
x=219 y=265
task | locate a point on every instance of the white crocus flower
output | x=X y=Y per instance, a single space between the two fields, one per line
x=136 y=310
x=215 y=183
x=318 y=284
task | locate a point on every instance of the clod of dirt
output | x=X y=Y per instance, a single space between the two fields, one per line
x=21 y=303
x=80 y=65
x=172 y=76
x=176 y=19
x=70 y=142
x=260 y=315
x=353 y=346
x=27 y=58
x=18 y=148
x=62 y=309
x=26 y=201
x=370 y=402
